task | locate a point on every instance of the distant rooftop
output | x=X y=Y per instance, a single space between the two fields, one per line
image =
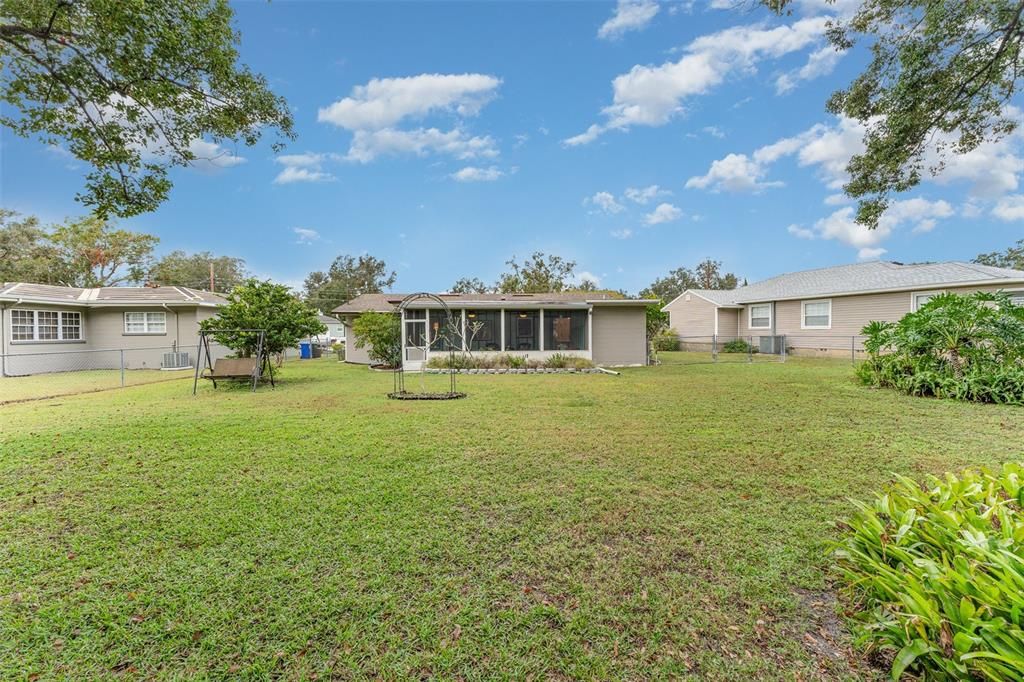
x=387 y=302
x=101 y=296
x=862 y=278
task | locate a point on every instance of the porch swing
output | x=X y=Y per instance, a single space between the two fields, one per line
x=252 y=369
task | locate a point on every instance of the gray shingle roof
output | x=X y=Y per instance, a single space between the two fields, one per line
x=863 y=278
x=387 y=302
x=42 y=293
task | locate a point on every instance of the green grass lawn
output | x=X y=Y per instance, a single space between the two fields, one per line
x=669 y=522
x=36 y=386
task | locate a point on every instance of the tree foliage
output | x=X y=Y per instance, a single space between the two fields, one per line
x=962 y=347
x=942 y=76
x=90 y=252
x=263 y=305
x=707 y=275
x=131 y=88
x=469 y=285
x=26 y=254
x=347 y=278
x=1012 y=257
x=538 y=274
x=381 y=335
x=193 y=270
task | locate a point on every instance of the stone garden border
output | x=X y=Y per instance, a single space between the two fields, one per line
x=531 y=370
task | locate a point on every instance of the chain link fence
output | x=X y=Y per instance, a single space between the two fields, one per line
x=723 y=349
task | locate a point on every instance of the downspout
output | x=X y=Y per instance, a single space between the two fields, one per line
x=177 y=339
x=4 y=345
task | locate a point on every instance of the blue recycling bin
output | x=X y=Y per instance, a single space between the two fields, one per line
x=305 y=350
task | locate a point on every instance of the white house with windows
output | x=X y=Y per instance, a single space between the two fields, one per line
x=41 y=324
x=825 y=309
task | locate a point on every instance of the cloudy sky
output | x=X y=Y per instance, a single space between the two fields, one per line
x=632 y=138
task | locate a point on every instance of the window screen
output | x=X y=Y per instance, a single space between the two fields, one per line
x=565 y=330
x=817 y=314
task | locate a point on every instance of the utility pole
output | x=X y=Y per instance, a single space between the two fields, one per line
x=211 y=277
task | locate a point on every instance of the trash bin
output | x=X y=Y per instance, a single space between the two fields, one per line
x=305 y=350
x=318 y=351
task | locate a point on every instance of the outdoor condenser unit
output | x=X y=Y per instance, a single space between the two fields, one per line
x=771 y=345
x=176 y=360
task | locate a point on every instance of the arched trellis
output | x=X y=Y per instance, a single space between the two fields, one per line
x=399 y=391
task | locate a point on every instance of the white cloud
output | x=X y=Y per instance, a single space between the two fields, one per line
x=652 y=95
x=305 y=235
x=821 y=62
x=383 y=102
x=306 y=167
x=714 y=131
x=630 y=15
x=837 y=199
x=734 y=173
x=211 y=156
x=367 y=145
x=841 y=225
x=583 y=275
x=801 y=232
x=476 y=174
x=1010 y=208
x=643 y=195
x=605 y=202
x=663 y=213
x=624 y=233
x=868 y=253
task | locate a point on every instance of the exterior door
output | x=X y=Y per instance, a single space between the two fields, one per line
x=415 y=352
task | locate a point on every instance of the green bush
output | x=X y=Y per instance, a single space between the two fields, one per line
x=665 y=340
x=961 y=347
x=738 y=346
x=467 y=361
x=381 y=335
x=936 y=575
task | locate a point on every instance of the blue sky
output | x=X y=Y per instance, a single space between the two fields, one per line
x=632 y=138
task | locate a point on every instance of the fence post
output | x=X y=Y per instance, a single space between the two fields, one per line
x=122 y=368
x=750 y=349
x=714 y=348
x=783 y=351
x=853 y=350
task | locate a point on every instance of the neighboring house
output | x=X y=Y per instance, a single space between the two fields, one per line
x=825 y=309
x=40 y=323
x=335 y=329
x=606 y=330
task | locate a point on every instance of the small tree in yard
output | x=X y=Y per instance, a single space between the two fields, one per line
x=381 y=333
x=268 y=306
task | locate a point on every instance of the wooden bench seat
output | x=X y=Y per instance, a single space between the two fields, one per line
x=231 y=368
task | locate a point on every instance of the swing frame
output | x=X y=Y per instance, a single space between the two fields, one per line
x=262 y=367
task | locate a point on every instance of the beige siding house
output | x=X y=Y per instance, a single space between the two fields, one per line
x=606 y=330
x=824 y=310
x=46 y=328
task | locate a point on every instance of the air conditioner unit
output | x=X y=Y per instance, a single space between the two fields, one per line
x=176 y=361
x=771 y=345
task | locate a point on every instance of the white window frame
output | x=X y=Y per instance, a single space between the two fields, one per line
x=914 y=294
x=146 y=323
x=750 y=315
x=60 y=326
x=803 y=314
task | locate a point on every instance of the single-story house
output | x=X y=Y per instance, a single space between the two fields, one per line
x=596 y=326
x=46 y=328
x=335 y=329
x=825 y=309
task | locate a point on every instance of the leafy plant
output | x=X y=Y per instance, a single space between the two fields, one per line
x=665 y=340
x=381 y=335
x=962 y=347
x=738 y=346
x=936 y=574
x=467 y=361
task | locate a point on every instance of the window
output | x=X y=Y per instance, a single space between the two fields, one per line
x=23 y=325
x=45 y=325
x=483 y=329
x=522 y=330
x=565 y=329
x=918 y=300
x=1016 y=297
x=760 y=316
x=816 y=315
x=145 y=323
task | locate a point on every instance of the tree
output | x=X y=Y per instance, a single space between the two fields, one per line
x=26 y=254
x=193 y=270
x=381 y=334
x=263 y=305
x=942 y=76
x=132 y=88
x=92 y=253
x=667 y=288
x=539 y=274
x=709 y=275
x=469 y=285
x=1012 y=258
x=347 y=278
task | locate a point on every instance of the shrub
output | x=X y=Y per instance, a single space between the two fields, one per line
x=738 y=346
x=562 y=361
x=466 y=361
x=936 y=575
x=665 y=340
x=960 y=347
x=381 y=335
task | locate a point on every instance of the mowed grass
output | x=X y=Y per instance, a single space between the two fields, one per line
x=36 y=386
x=667 y=523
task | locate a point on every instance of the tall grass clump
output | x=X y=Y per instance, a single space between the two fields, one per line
x=962 y=347
x=936 y=575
